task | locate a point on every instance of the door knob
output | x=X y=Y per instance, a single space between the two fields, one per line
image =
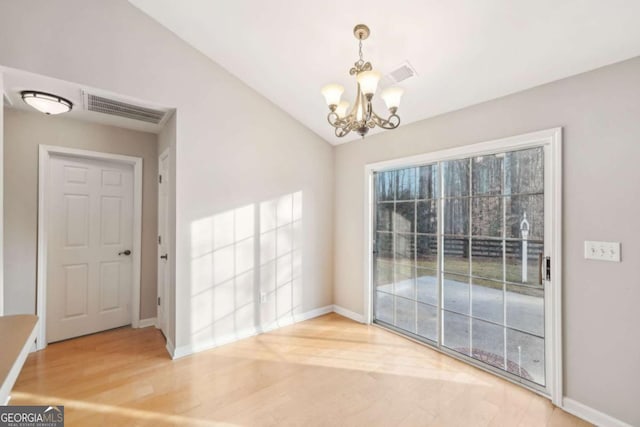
x=164 y=257
x=127 y=253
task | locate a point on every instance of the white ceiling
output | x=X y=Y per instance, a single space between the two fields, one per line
x=465 y=51
x=15 y=81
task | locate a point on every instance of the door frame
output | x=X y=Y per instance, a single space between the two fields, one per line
x=553 y=172
x=45 y=153
x=161 y=323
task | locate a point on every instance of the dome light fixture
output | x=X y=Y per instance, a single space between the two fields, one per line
x=361 y=117
x=46 y=103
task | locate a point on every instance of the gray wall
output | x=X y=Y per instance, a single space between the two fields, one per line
x=234 y=148
x=600 y=114
x=23 y=132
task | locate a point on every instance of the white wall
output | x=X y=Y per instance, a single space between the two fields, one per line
x=234 y=149
x=23 y=133
x=599 y=112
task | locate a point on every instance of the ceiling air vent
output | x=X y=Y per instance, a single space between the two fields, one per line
x=403 y=72
x=104 y=105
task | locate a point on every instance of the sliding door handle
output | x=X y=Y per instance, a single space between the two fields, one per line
x=540 y=272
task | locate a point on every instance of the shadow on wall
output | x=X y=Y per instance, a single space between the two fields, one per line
x=246 y=270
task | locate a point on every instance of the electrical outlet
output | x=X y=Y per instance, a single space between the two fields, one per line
x=263 y=297
x=602 y=251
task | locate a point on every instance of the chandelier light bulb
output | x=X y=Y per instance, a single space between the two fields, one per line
x=392 y=96
x=332 y=93
x=368 y=81
x=341 y=110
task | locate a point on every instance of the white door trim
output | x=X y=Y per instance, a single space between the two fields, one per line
x=45 y=153
x=550 y=137
x=162 y=293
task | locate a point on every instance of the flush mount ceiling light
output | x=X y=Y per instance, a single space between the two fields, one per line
x=361 y=117
x=46 y=102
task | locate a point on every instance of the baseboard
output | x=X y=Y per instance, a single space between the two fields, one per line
x=592 y=415
x=316 y=312
x=185 y=350
x=348 y=314
x=145 y=323
x=171 y=349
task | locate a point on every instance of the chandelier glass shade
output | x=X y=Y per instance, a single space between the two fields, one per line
x=361 y=117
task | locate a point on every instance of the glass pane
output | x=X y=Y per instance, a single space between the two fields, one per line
x=405 y=281
x=456 y=178
x=525 y=356
x=427 y=182
x=488 y=343
x=384 y=217
x=525 y=309
x=487 y=174
x=524 y=269
x=486 y=216
x=405 y=248
x=428 y=217
x=486 y=258
x=384 y=307
x=406 y=184
x=455 y=332
x=384 y=275
x=384 y=244
x=386 y=185
x=456 y=255
x=427 y=283
x=405 y=217
x=487 y=299
x=406 y=314
x=456 y=217
x=524 y=171
x=455 y=293
x=427 y=252
x=525 y=217
x=428 y=322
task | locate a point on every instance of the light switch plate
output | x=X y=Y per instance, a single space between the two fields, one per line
x=602 y=251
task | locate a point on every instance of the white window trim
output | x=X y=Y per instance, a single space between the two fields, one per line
x=45 y=153
x=553 y=172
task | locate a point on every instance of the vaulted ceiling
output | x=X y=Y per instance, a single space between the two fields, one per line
x=464 y=51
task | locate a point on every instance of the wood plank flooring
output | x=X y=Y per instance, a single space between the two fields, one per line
x=328 y=371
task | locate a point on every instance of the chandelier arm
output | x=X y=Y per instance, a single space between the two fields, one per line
x=391 y=122
x=340 y=132
x=335 y=120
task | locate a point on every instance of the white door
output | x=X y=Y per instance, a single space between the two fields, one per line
x=90 y=237
x=163 y=239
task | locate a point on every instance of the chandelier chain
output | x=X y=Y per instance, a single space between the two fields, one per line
x=360 y=50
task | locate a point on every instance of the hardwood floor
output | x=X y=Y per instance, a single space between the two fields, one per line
x=325 y=371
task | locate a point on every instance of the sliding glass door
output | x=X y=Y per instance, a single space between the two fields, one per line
x=458 y=255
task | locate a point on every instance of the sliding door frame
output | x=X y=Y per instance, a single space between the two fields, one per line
x=551 y=139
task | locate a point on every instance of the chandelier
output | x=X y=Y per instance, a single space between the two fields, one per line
x=361 y=117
